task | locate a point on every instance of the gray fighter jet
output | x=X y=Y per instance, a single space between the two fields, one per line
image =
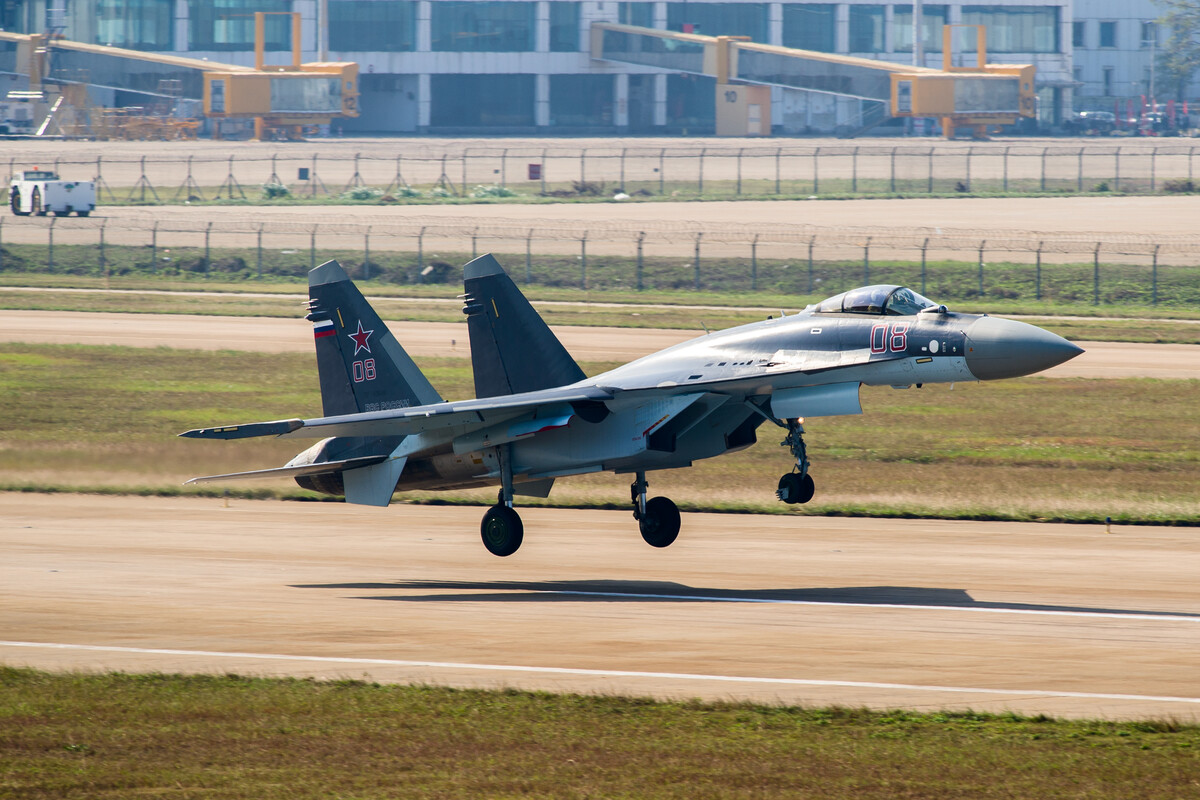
x=537 y=417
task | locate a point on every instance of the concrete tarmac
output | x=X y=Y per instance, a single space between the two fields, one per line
x=1066 y=620
x=1101 y=359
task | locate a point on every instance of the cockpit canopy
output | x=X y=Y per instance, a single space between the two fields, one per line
x=883 y=299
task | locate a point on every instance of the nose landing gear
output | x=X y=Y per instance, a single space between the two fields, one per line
x=796 y=486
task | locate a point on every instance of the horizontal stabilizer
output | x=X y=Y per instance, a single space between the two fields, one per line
x=248 y=431
x=291 y=472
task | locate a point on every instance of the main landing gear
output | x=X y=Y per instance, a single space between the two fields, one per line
x=796 y=486
x=658 y=517
x=502 y=530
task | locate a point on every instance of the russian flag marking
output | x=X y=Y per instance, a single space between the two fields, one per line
x=322 y=329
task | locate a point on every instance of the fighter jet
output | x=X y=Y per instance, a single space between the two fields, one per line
x=537 y=417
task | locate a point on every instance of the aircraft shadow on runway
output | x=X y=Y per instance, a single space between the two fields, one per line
x=608 y=591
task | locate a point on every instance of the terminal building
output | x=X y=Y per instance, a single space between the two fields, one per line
x=525 y=66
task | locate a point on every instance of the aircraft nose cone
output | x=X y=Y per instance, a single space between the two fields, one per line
x=1005 y=348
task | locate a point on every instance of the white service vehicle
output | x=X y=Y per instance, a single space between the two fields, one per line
x=38 y=191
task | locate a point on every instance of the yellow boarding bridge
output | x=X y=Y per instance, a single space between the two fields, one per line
x=976 y=97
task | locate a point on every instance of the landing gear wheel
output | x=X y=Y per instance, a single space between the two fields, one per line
x=502 y=531
x=35 y=203
x=795 y=488
x=14 y=200
x=83 y=213
x=660 y=524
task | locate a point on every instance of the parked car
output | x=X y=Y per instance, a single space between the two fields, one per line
x=1096 y=123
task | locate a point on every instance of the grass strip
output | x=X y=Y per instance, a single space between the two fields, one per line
x=106 y=418
x=66 y=736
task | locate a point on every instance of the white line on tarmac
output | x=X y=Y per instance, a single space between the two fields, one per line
x=602 y=673
x=1138 y=615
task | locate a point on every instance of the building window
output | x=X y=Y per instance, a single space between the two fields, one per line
x=691 y=103
x=479 y=27
x=135 y=24
x=810 y=26
x=229 y=24
x=564 y=27
x=581 y=101
x=719 y=19
x=932 y=20
x=1108 y=34
x=368 y=26
x=866 y=29
x=1108 y=81
x=1079 y=34
x=481 y=101
x=640 y=14
x=1017 y=29
x=1149 y=34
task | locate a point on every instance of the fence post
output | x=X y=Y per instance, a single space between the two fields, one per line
x=259 y=259
x=754 y=264
x=641 y=237
x=1 y=242
x=154 y=247
x=1117 y=170
x=854 y=170
x=103 y=259
x=867 y=262
x=503 y=166
x=583 y=166
x=812 y=243
x=528 y=257
x=1005 y=161
x=892 y=182
x=700 y=176
x=816 y=173
x=739 y=171
x=1037 y=292
x=207 y=250
x=50 y=245
x=662 y=170
x=1153 y=161
x=1044 y=151
x=924 y=250
x=929 y=186
x=968 y=175
x=474 y=241
x=312 y=247
x=543 y=170
x=778 y=152
x=623 y=149
x=367 y=254
x=1079 y=180
x=421 y=253
x=465 y=156
x=981 y=246
x=1191 y=150
x=696 y=262
x=1096 y=275
x=1154 y=277
x=583 y=261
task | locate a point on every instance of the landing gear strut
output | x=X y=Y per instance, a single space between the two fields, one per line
x=658 y=517
x=502 y=530
x=796 y=486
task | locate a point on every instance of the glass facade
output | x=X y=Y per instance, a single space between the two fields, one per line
x=692 y=103
x=136 y=24
x=564 y=27
x=581 y=101
x=932 y=20
x=1017 y=29
x=479 y=27
x=640 y=14
x=481 y=101
x=810 y=26
x=720 y=19
x=866 y=29
x=229 y=24
x=370 y=25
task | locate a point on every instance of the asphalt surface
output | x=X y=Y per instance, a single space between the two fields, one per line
x=1066 y=620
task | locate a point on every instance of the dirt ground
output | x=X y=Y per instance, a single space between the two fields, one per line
x=1065 y=620
x=1101 y=359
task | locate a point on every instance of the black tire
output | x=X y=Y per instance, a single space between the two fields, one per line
x=83 y=213
x=502 y=531
x=62 y=213
x=14 y=201
x=660 y=524
x=794 y=489
x=35 y=204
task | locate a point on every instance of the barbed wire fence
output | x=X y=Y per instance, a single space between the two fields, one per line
x=700 y=171
x=801 y=259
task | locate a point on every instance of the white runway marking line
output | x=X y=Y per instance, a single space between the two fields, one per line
x=600 y=673
x=1138 y=615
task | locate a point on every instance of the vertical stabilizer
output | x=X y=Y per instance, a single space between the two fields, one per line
x=512 y=348
x=361 y=365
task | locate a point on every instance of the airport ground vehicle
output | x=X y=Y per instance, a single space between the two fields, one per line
x=39 y=191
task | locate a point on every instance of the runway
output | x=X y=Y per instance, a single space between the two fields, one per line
x=1101 y=359
x=1057 y=619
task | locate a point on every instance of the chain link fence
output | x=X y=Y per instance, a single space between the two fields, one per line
x=799 y=259
x=717 y=171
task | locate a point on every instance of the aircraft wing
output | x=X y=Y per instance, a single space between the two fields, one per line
x=471 y=414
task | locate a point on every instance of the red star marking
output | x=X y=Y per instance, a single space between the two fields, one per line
x=361 y=339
